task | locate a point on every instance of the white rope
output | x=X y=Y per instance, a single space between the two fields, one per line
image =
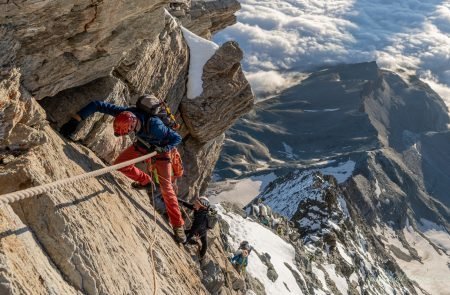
x=30 y=192
x=153 y=241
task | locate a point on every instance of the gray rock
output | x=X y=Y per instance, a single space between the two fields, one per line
x=204 y=18
x=199 y=160
x=21 y=118
x=226 y=95
x=213 y=277
x=271 y=272
x=82 y=40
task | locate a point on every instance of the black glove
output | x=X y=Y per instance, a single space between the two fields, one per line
x=69 y=128
x=159 y=149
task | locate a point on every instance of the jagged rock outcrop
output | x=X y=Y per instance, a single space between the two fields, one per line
x=94 y=238
x=21 y=118
x=206 y=116
x=199 y=161
x=207 y=17
x=82 y=40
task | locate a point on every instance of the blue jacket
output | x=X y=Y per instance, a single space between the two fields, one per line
x=239 y=259
x=153 y=130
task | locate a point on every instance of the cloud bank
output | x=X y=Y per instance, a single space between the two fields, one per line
x=284 y=37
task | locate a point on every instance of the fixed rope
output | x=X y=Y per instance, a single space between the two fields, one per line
x=153 y=241
x=33 y=191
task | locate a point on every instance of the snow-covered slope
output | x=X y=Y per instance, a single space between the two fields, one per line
x=336 y=252
x=344 y=255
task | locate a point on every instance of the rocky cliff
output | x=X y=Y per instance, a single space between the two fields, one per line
x=96 y=238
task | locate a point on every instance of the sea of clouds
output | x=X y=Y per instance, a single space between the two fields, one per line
x=283 y=38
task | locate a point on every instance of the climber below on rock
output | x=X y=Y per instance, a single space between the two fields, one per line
x=199 y=228
x=240 y=260
x=151 y=135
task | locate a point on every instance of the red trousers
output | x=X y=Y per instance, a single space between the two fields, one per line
x=164 y=169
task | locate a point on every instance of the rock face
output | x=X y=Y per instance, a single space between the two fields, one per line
x=206 y=116
x=94 y=238
x=207 y=17
x=82 y=40
x=21 y=118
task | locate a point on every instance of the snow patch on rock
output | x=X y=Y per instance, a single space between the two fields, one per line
x=341 y=172
x=201 y=50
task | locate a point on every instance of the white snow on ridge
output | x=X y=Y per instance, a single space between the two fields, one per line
x=436 y=233
x=321 y=277
x=342 y=172
x=286 y=197
x=324 y=110
x=288 y=151
x=377 y=189
x=201 y=50
x=341 y=282
x=432 y=272
x=264 y=241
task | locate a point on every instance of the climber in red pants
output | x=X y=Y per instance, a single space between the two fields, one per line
x=151 y=135
x=164 y=170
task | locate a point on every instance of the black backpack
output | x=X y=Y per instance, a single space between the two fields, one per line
x=151 y=105
x=212 y=218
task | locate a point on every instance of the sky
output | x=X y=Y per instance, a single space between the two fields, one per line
x=283 y=38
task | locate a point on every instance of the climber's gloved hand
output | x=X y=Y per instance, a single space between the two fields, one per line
x=69 y=128
x=176 y=126
x=159 y=149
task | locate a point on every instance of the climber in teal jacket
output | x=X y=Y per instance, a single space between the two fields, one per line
x=240 y=260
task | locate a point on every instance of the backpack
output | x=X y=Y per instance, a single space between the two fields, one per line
x=262 y=210
x=177 y=163
x=155 y=107
x=151 y=105
x=212 y=218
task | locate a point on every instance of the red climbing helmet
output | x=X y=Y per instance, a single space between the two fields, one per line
x=124 y=123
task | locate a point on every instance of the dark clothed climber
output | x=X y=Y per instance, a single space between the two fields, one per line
x=199 y=226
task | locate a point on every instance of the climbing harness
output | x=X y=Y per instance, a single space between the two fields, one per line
x=33 y=191
x=169 y=112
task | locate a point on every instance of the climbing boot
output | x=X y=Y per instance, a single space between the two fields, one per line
x=178 y=232
x=136 y=185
